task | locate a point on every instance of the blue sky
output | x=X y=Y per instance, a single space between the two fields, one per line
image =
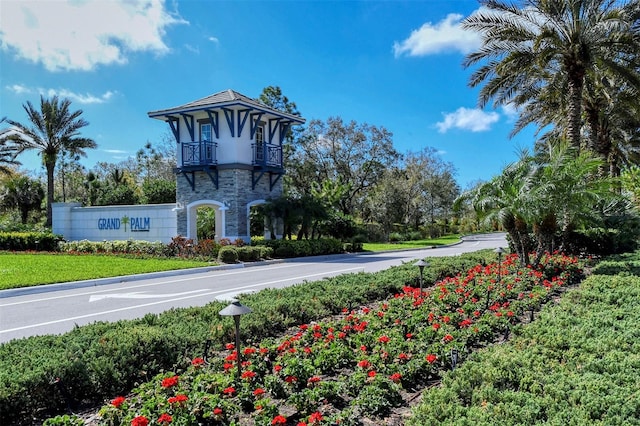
x=395 y=64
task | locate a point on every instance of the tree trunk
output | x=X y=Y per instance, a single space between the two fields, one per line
x=576 y=83
x=50 y=167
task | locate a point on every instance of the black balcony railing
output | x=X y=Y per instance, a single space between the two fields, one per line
x=199 y=153
x=269 y=155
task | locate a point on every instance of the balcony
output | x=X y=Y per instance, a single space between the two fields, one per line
x=199 y=153
x=267 y=155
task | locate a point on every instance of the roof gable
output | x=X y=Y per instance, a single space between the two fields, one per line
x=225 y=98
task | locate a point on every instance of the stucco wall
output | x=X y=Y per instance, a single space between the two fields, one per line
x=149 y=222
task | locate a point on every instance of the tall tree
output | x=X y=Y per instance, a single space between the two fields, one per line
x=53 y=130
x=530 y=46
x=356 y=155
x=22 y=193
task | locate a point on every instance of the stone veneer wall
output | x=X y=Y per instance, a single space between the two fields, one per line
x=234 y=191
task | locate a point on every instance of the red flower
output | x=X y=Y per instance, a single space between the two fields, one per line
x=383 y=339
x=402 y=356
x=448 y=338
x=117 y=401
x=197 y=362
x=165 y=418
x=217 y=411
x=431 y=358
x=409 y=336
x=314 y=379
x=290 y=379
x=364 y=364
x=229 y=391
x=436 y=326
x=363 y=348
x=342 y=335
x=170 y=382
x=371 y=374
x=277 y=368
x=178 y=399
x=301 y=424
x=230 y=346
x=279 y=420
x=249 y=351
x=315 y=418
x=258 y=392
x=227 y=366
x=140 y=421
x=395 y=377
x=248 y=375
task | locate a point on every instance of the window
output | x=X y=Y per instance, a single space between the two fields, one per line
x=259 y=134
x=205 y=132
x=259 y=152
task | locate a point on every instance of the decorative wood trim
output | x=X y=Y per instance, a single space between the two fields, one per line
x=188 y=120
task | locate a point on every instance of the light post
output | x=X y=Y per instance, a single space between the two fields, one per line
x=236 y=310
x=499 y=252
x=421 y=264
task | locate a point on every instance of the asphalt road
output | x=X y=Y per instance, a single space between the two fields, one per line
x=58 y=308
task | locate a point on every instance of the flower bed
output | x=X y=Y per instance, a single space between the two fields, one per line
x=354 y=366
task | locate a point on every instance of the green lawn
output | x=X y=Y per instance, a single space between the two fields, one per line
x=449 y=239
x=32 y=269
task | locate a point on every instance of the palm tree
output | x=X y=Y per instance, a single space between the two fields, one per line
x=504 y=200
x=563 y=194
x=543 y=49
x=52 y=131
x=22 y=193
x=8 y=150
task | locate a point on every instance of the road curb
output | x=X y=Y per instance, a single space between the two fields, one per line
x=177 y=272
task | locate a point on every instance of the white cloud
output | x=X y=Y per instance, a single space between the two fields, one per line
x=444 y=36
x=474 y=120
x=214 y=40
x=80 y=35
x=63 y=93
x=193 y=49
x=115 y=151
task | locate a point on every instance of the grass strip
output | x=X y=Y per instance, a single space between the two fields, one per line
x=33 y=269
x=417 y=244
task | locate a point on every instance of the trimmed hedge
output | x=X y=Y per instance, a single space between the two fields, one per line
x=302 y=248
x=21 y=241
x=42 y=376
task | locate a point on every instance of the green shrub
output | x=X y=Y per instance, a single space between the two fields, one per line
x=301 y=248
x=19 y=241
x=228 y=254
x=395 y=237
x=249 y=253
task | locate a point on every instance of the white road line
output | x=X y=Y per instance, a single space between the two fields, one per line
x=175 y=280
x=176 y=299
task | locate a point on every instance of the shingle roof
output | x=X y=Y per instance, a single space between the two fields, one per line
x=221 y=99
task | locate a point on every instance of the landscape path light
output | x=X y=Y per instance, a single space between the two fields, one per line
x=421 y=264
x=236 y=310
x=499 y=252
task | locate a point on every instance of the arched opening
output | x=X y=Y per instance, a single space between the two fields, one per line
x=206 y=223
x=204 y=210
x=255 y=220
